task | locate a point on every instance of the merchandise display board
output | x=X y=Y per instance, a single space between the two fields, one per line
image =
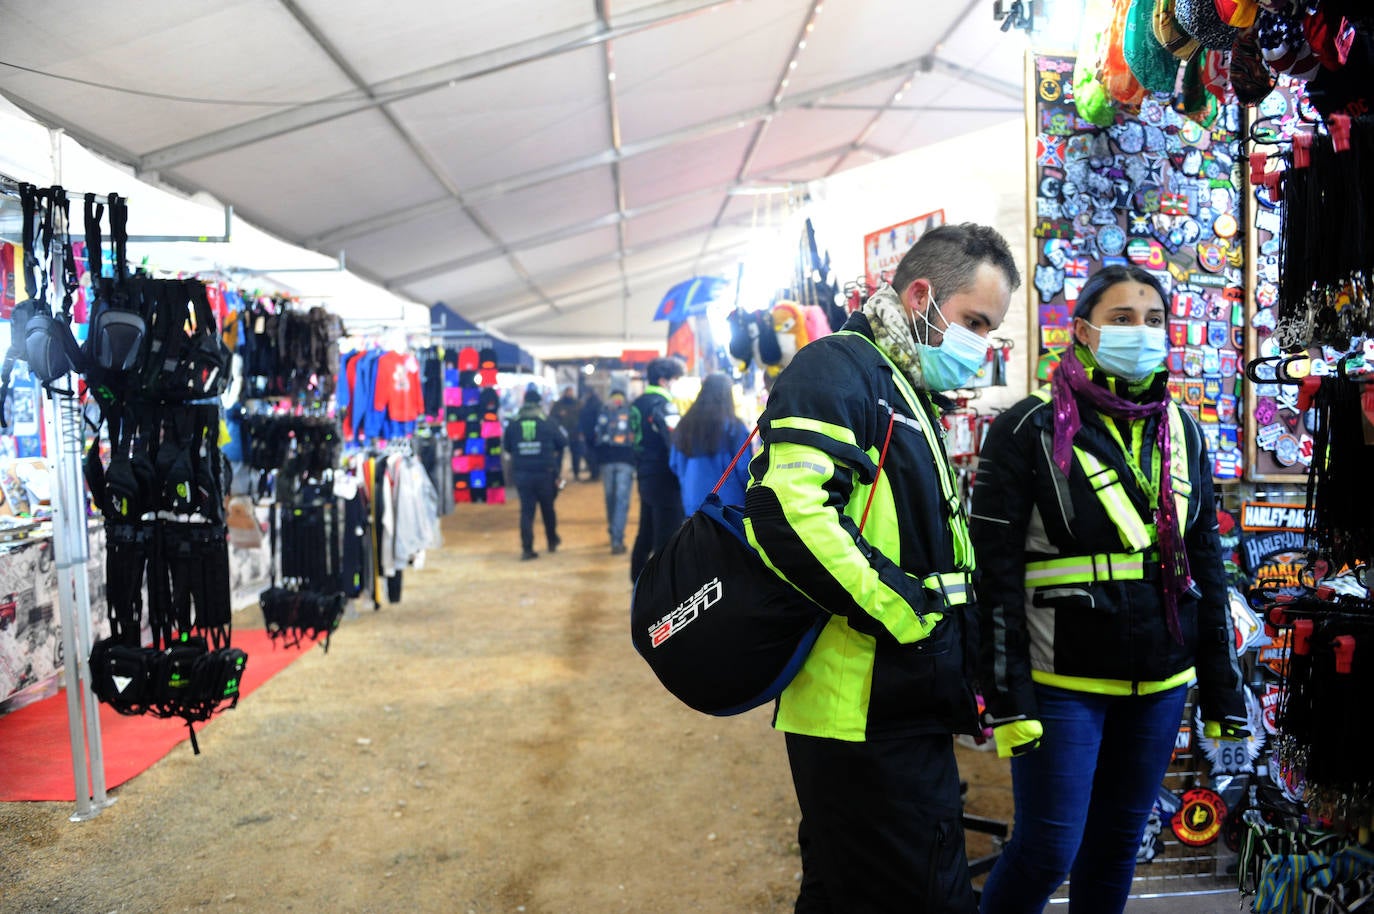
x=1157 y=190
x=1281 y=446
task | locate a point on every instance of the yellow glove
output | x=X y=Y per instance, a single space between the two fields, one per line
x=1017 y=737
x=1231 y=733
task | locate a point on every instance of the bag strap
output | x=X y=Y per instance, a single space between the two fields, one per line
x=882 y=459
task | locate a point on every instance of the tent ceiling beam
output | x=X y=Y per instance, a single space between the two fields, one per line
x=609 y=283
x=961 y=109
x=591 y=225
x=798 y=46
x=516 y=316
x=971 y=76
x=426 y=158
x=410 y=85
x=700 y=131
x=603 y=18
x=926 y=66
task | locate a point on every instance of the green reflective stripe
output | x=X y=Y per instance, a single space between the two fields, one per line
x=955 y=586
x=829 y=430
x=1135 y=534
x=1086 y=569
x=802 y=497
x=949 y=483
x=1112 y=686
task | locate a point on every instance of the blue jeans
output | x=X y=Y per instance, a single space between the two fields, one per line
x=617 y=479
x=1082 y=800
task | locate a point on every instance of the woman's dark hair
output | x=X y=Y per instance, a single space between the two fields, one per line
x=706 y=427
x=1105 y=278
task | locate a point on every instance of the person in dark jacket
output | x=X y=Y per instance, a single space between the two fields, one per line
x=565 y=412
x=653 y=416
x=615 y=455
x=869 y=717
x=1102 y=596
x=706 y=440
x=534 y=446
x=586 y=433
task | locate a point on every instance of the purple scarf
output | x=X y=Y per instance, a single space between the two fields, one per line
x=1071 y=382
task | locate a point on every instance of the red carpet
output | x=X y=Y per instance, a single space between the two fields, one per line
x=36 y=752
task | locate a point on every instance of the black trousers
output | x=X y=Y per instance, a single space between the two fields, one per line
x=537 y=490
x=660 y=514
x=881 y=829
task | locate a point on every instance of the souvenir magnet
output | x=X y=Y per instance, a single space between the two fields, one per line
x=1266 y=411
x=1197 y=332
x=1238 y=338
x=1229 y=363
x=1305 y=445
x=1111 y=240
x=1226 y=465
x=1211 y=389
x=1138 y=225
x=1175 y=390
x=1049 y=281
x=1286 y=450
x=1209 y=432
x=1218 y=334
x=1210 y=256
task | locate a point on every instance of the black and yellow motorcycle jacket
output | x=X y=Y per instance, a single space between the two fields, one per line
x=894 y=660
x=1071 y=587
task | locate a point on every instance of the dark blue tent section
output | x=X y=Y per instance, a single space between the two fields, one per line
x=454 y=330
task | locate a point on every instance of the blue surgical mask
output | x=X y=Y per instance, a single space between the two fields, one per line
x=954 y=362
x=1133 y=352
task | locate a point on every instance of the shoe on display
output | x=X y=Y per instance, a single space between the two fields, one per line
x=530 y=554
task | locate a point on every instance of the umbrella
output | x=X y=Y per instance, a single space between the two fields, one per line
x=689 y=298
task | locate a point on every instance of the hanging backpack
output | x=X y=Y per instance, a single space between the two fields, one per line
x=719 y=628
x=613 y=425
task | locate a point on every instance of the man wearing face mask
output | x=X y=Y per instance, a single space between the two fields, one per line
x=1101 y=597
x=868 y=719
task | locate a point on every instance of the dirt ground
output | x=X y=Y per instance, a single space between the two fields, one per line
x=490 y=744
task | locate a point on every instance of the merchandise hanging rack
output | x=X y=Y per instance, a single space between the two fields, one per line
x=10 y=188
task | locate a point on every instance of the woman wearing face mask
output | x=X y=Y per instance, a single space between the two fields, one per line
x=1102 y=596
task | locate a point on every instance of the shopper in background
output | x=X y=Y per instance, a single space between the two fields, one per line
x=565 y=411
x=653 y=416
x=869 y=718
x=707 y=439
x=1102 y=595
x=586 y=433
x=534 y=446
x=614 y=445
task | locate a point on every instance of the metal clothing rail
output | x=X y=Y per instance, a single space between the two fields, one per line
x=10 y=188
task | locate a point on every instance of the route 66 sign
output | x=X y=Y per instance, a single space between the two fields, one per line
x=1234 y=756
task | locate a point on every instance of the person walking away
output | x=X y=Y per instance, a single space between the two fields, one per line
x=534 y=445
x=1102 y=597
x=615 y=455
x=870 y=717
x=707 y=439
x=653 y=416
x=586 y=433
x=565 y=411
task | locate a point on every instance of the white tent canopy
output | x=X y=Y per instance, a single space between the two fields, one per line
x=548 y=168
